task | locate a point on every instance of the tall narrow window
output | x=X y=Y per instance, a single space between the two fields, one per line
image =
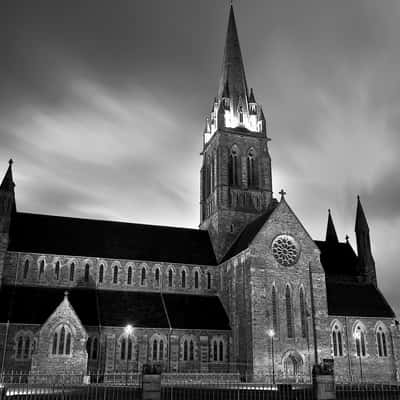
x=208 y=280
x=87 y=272
x=303 y=314
x=55 y=341
x=101 y=273
x=41 y=269
x=68 y=344
x=115 y=274
x=72 y=272
x=26 y=269
x=359 y=336
x=155 y=348
x=196 y=279
x=27 y=347
x=183 y=278
x=381 y=342
x=62 y=341
x=274 y=310
x=191 y=350
x=251 y=169
x=129 y=352
x=57 y=270
x=161 y=350
x=233 y=167
x=289 y=313
x=221 y=351
x=337 y=341
x=129 y=278
x=143 y=277
x=123 y=348
x=20 y=344
x=241 y=114
x=215 y=351
x=185 y=350
x=157 y=277
x=170 y=278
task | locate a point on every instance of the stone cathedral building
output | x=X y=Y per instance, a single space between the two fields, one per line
x=80 y=295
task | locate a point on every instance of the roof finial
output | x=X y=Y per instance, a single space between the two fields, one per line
x=347 y=239
x=10 y=161
x=66 y=294
x=282 y=193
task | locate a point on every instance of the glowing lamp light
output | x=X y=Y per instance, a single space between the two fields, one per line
x=128 y=329
x=271 y=333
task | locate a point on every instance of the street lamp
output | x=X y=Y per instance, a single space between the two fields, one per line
x=271 y=334
x=128 y=331
x=357 y=337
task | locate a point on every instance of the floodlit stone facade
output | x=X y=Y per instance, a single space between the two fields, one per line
x=250 y=295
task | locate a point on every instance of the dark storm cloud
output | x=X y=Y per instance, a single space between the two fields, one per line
x=102 y=106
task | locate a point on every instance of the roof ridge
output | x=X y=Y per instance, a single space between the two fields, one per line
x=109 y=221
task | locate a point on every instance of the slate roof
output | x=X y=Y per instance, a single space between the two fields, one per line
x=248 y=233
x=33 y=305
x=338 y=259
x=93 y=238
x=359 y=300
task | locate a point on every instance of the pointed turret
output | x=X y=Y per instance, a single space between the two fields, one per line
x=331 y=236
x=8 y=183
x=366 y=260
x=233 y=66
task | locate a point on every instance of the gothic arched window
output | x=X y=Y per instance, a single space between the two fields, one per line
x=274 y=309
x=208 y=280
x=129 y=277
x=26 y=269
x=303 y=313
x=359 y=336
x=289 y=313
x=170 y=278
x=251 y=169
x=183 y=278
x=191 y=350
x=143 y=276
x=196 y=279
x=185 y=350
x=92 y=347
x=217 y=346
x=24 y=346
x=72 y=272
x=157 y=277
x=381 y=342
x=62 y=341
x=101 y=273
x=126 y=350
x=115 y=274
x=234 y=166
x=41 y=269
x=337 y=341
x=57 y=270
x=87 y=272
x=158 y=347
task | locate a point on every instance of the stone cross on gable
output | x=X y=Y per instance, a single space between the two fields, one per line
x=282 y=193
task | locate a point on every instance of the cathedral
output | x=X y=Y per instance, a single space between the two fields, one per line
x=249 y=296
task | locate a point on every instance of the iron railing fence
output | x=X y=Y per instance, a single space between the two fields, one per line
x=29 y=391
x=240 y=391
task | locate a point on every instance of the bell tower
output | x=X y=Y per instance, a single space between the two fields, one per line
x=236 y=184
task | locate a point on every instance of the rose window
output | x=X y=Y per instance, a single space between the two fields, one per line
x=285 y=250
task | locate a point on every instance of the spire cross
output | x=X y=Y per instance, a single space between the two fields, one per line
x=10 y=161
x=282 y=193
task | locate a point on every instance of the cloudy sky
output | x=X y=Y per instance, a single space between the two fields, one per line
x=102 y=106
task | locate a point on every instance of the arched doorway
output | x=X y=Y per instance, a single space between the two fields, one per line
x=293 y=366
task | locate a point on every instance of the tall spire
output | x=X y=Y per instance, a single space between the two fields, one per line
x=361 y=220
x=233 y=76
x=331 y=235
x=365 y=258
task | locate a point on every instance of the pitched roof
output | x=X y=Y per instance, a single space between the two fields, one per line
x=338 y=259
x=33 y=305
x=361 y=219
x=248 y=233
x=7 y=183
x=358 y=300
x=93 y=238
